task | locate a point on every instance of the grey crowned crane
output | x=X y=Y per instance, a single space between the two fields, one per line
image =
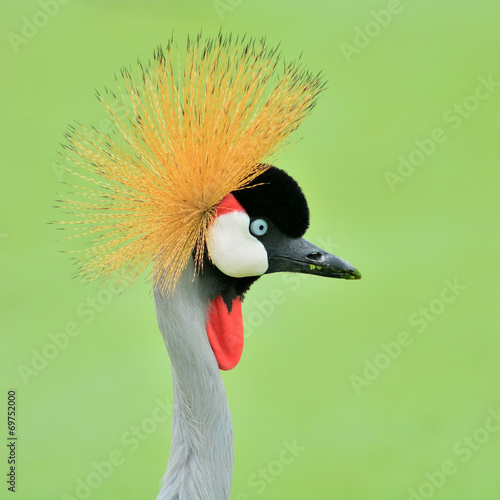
x=184 y=186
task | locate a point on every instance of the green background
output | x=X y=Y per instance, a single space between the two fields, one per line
x=431 y=404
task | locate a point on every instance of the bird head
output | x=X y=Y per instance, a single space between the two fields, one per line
x=258 y=230
x=255 y=231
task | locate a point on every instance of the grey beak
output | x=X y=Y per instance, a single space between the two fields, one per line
x=297 y=255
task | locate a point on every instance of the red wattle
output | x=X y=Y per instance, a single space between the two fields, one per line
x=225 y=332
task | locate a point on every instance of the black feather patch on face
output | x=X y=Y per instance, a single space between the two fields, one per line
x=276 y=196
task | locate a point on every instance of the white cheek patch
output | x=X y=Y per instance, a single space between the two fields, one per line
x=232 y=248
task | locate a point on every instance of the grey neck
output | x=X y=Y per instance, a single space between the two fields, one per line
x=201 y=455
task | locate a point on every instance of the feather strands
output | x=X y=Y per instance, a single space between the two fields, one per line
x=187 y=131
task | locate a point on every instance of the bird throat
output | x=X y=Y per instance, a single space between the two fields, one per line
x=225 y=331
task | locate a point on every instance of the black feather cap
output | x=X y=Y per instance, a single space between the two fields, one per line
x=276 y=196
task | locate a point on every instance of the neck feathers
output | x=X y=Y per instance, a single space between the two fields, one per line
x=201 y=454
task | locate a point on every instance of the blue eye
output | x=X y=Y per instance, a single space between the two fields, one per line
x=259 y=227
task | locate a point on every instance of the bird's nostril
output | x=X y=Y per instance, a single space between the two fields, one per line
x=315 y=256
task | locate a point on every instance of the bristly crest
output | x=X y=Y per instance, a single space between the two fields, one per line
x=183 y=139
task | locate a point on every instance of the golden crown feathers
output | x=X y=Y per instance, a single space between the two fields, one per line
x=184 y=136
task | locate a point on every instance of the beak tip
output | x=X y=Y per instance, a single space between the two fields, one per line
x=354 y=275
